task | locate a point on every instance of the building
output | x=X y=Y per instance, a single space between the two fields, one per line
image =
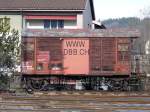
x=48 y=14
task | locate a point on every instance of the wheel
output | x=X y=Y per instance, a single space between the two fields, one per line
x=35 y=84
x=115 y=85
x=125 y=85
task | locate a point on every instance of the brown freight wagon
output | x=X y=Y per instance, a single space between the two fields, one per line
x=77 y=59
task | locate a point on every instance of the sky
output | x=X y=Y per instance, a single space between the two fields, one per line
x=105 y=9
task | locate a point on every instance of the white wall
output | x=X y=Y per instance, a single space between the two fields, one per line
x=80 y=21
x=87 y=16
x=147 y=47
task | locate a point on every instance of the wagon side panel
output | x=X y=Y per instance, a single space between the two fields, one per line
x=49 y=56
x=76 y=56
x=102 y=56
x=123 y=65
x=28 y=59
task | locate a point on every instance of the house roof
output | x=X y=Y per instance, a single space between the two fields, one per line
x=22 y=5
x=120 y=32
x=43 y=4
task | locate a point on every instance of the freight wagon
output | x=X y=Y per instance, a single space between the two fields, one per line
x=78 y=59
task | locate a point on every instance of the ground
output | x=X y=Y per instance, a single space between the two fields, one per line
x=75 y=102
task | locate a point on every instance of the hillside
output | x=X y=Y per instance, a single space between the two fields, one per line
x=122 y=22
x=133 y=22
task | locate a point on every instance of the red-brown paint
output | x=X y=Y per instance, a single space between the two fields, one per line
x=76 y=58
x=52 y=17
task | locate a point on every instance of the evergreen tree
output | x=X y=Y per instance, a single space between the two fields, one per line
x=9 y=51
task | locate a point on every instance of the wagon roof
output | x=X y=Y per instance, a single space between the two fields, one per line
x=120 y=32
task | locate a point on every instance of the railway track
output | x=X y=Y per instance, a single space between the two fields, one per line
x=93 y=93
x=65 y=102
